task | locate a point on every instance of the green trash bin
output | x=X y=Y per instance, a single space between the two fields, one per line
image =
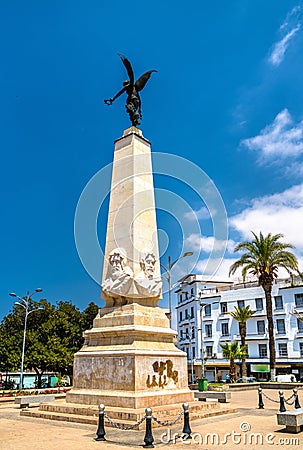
x=202 y=384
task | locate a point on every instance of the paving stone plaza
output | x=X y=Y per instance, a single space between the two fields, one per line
x=245 y=426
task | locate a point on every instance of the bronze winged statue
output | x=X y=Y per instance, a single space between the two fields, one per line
x=132 y=89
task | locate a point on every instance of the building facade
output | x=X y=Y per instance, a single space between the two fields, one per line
x=203 y=323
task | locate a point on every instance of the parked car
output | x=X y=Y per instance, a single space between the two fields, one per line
x=248 y=380
x=287 y=378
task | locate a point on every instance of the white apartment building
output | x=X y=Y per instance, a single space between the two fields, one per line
x=218 y=297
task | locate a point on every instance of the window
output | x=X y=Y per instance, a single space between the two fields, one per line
x=299 y=299
x=208 y=330
x=263 y=350
x=241 y=304
x=186 y=314
x=223 y=307
x=180 y=298
x=259 y=304
x=192 y=291
x=186 y=295
x=180 y=316
x=300 y=326
x=193 y=352
x=193 y=333
x=278 y=302
x=224 y=327
x=283 y=350
x=209 y=351
x=301 y=349
x=260 y=326
x=207 y=310
x=280 y=326
x=192 y=312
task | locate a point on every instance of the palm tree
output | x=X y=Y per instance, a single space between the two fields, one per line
x=242 y=315
x=232 y=352
x=263 y=256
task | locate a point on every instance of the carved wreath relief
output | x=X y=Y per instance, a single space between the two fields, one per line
x=164 y=376
x=120 y=277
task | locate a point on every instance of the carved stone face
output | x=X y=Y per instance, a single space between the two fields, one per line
x=116 y=260
x=148 y=265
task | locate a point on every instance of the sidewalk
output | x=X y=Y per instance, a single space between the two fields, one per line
x=25 y=433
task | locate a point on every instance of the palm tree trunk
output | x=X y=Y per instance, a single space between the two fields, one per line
x=232 y=370
x=267 y=286
x=243 y=344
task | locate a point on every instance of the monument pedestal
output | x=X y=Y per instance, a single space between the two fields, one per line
x=129 y=360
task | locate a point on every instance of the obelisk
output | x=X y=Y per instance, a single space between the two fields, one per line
x=131 y=268
x=129 y=358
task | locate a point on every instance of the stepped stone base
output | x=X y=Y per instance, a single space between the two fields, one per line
x=129 y=360
x=89 y=414
x=125 y=399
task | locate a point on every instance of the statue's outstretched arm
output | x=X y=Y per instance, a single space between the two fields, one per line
x=112 y=99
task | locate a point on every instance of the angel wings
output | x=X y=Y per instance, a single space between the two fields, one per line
x=132 y=88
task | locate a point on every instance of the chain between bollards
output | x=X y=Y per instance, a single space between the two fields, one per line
x=101 y=431
x=296 y=396
x=261 y=404
x=148 y=438
x=186 y=433
x=282 y=404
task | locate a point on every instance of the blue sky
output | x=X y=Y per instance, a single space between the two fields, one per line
x=227 y=97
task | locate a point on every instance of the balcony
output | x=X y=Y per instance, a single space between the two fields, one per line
x=251 y=337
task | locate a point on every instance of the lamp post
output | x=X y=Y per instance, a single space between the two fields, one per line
x=25 y=302
x=168 y=279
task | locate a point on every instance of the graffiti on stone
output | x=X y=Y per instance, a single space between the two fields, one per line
x=163 y=376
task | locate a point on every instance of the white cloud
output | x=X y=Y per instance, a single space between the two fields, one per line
x=291 y=16
x=278 y=213
x=222 y=267
x=196 y=242
x=279 y=49
x=288 y=30
x=282 y=138
x=200 y=214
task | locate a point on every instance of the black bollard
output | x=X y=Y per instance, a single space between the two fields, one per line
x=101 y=431
x=297 y=403
x=282 y=404
x=186 y=427
x=261 y=404
x=148 y=438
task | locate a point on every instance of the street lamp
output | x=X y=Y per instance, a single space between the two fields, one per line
x=25 y=303
x=168 y=279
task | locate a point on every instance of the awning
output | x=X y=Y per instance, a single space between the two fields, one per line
x=217 y=364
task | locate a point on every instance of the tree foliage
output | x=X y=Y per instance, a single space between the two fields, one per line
x=232 y=352
x=242 y=315
x=263 y=256
x=54 y=335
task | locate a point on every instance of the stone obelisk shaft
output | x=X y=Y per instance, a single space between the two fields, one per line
x=132 y=227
